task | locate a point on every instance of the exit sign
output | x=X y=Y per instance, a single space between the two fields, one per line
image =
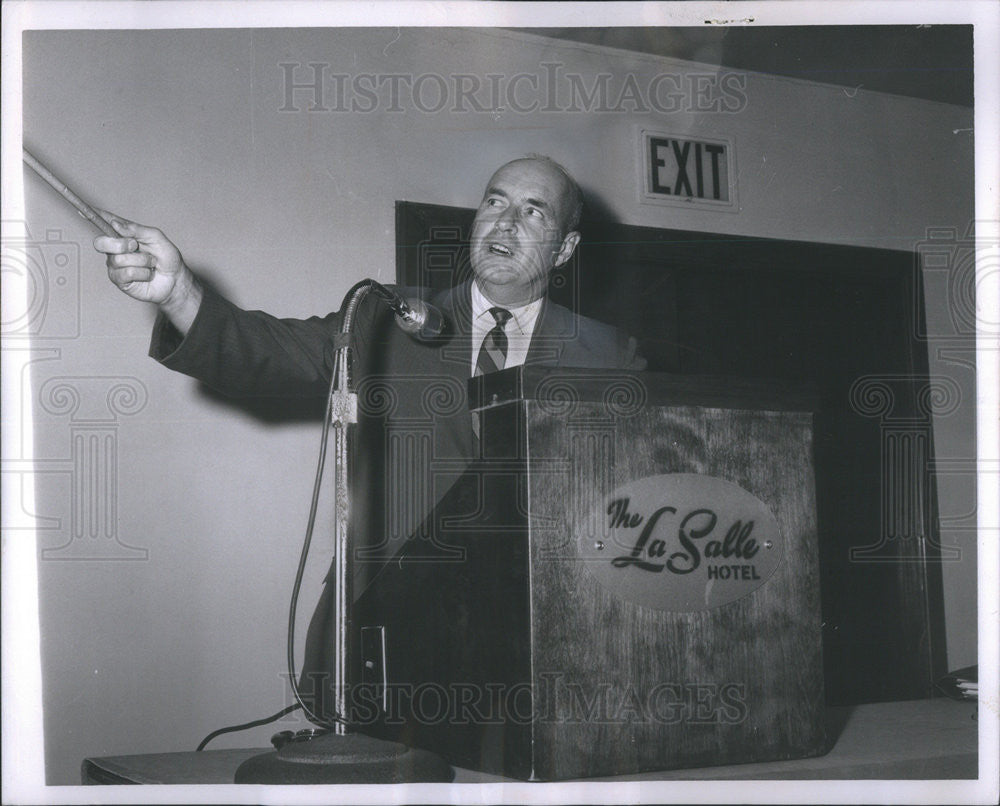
x=697 y=172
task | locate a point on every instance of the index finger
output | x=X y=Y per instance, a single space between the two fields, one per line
x=142 y=233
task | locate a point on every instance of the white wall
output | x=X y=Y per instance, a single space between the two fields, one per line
x=285 y=210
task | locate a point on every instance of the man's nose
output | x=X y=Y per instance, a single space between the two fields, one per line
x=507 y=221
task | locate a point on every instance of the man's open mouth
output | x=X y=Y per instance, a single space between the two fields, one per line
x=500 y=249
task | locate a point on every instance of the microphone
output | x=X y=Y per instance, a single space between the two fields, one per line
x=415 y=317
x=419 y=319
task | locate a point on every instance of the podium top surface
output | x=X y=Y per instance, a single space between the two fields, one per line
x=638 y=389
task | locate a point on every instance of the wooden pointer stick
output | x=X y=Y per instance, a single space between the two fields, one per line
x=85 y=209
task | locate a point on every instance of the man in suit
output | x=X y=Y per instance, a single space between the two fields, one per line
x=524 y=228
x=412 y=395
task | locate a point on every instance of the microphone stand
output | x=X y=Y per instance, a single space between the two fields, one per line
x=343 y=756
x=343 y=415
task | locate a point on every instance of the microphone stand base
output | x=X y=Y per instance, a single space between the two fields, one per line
x=348 y=759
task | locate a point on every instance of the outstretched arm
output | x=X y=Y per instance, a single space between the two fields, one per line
x=239 y=353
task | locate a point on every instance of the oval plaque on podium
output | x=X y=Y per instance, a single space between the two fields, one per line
x=681 y=542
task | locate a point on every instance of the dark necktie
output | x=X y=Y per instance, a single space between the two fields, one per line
x=493 y=353
x=492 y=357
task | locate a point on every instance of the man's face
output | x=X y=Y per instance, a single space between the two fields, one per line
x=517 y=235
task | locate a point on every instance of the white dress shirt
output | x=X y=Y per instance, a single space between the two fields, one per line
x=518 y=329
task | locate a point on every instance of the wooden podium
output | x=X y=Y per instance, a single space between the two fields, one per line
x=627 y=580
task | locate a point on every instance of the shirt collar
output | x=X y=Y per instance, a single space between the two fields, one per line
x=523 y=318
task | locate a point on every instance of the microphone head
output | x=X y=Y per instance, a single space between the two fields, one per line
x=422 y=320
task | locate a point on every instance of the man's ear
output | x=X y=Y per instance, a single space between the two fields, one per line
x=566 y=249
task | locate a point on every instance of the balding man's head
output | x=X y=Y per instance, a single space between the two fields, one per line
x=570 y=193
x=524 y=227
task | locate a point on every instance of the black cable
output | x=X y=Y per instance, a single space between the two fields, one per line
x=295 y=592
x=304 y=554
x=349 y=307
x=254 y=724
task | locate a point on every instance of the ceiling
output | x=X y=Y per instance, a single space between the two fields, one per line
x=920 y=61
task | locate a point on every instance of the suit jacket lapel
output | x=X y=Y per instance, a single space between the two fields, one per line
x=455 y=353
x=553 y=329
x=456 y=305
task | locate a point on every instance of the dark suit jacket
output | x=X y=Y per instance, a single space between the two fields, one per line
x=400 y=382
x=415 y=435
x=251 y=353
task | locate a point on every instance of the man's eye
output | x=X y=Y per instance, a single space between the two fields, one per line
x=534 y=211
x=493 y=202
